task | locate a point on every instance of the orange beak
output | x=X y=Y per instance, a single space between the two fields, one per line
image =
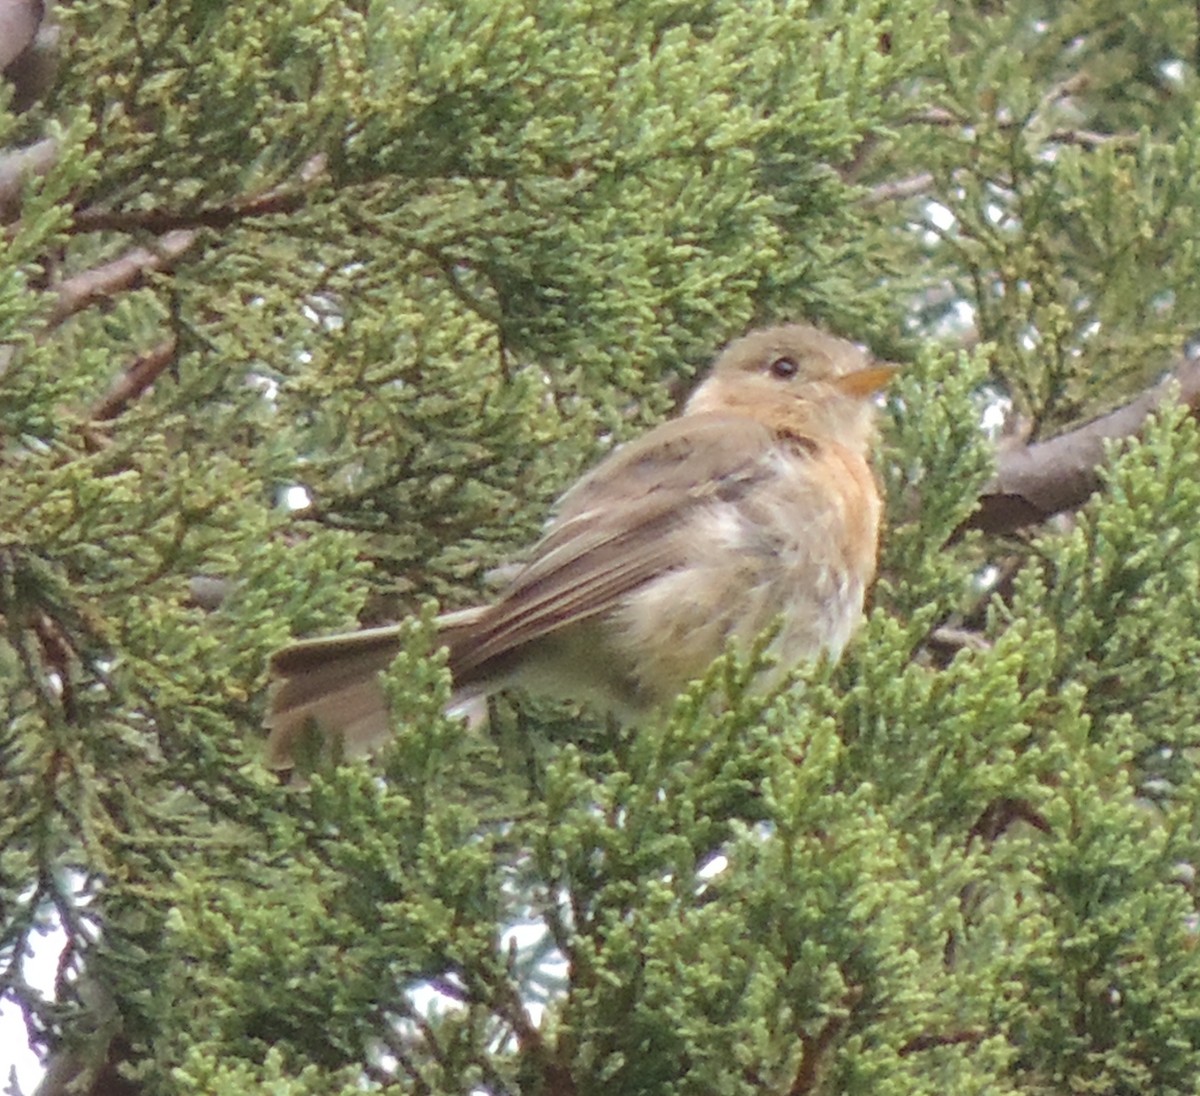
x=866 y=382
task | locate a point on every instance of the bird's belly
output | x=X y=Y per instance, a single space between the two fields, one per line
x=742 y=573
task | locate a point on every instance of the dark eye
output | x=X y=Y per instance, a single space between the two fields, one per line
x=783 y=368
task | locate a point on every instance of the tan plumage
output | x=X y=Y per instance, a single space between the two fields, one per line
x=757 y=501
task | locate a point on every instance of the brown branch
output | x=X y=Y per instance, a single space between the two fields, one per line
x=1001 y=814
x=928 y=1042
x=1085 y=138
x=169 y=220
x=937 y=116
x=19 y=22
x=17 y=165
x=128 y=272
x=1037 y=481
x=132 y=269
x=815 y=1048
x=946 y=642
x=140 y=375
x=557 y=1078
x=899 y=189
x=813 y=1057
x=281 y=199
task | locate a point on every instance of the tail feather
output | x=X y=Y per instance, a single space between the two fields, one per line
x=330 y=685
x=327 y=697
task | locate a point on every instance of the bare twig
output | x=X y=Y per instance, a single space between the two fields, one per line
x=1087 y=138
x=949 y=641
x=1001 y=814
x=938 y=116
x=131 y=270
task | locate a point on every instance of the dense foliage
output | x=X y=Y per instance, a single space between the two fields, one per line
x=426 y=261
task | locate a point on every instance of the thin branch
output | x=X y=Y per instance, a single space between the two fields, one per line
x=130 y=271
x=1001 y=814
x=816 y=1048
x=937 y=116
x=286 y=198
x=401 y=1048
x=17 y=165
x=1085 y=138
x=952 y=1039
x=899 y=189
x=170 y=220
x=1035 y=482
x=177 y=231
x=813 y=1056
x=947 y=641
x=556 y=1077
x=139 y=376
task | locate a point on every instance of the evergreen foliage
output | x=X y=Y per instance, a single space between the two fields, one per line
x=427 y=261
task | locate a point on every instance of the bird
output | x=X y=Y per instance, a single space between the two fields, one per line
x=755 y=507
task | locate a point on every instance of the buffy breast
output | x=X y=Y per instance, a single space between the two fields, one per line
x=780 y=551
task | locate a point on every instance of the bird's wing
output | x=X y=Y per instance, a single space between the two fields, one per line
x=613 y=530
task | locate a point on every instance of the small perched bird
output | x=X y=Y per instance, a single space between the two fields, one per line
x=755 y=505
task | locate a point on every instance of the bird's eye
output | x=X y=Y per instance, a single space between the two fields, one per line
x=783 y=368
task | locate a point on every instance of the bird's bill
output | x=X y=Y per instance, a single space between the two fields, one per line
x=865 y=382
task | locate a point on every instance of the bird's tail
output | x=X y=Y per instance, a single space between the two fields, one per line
x=327 y=697
x=328 y=689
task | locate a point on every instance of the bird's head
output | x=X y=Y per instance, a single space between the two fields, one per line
x=796 y=378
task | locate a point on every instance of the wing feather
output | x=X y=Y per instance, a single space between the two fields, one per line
x=614 y=532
